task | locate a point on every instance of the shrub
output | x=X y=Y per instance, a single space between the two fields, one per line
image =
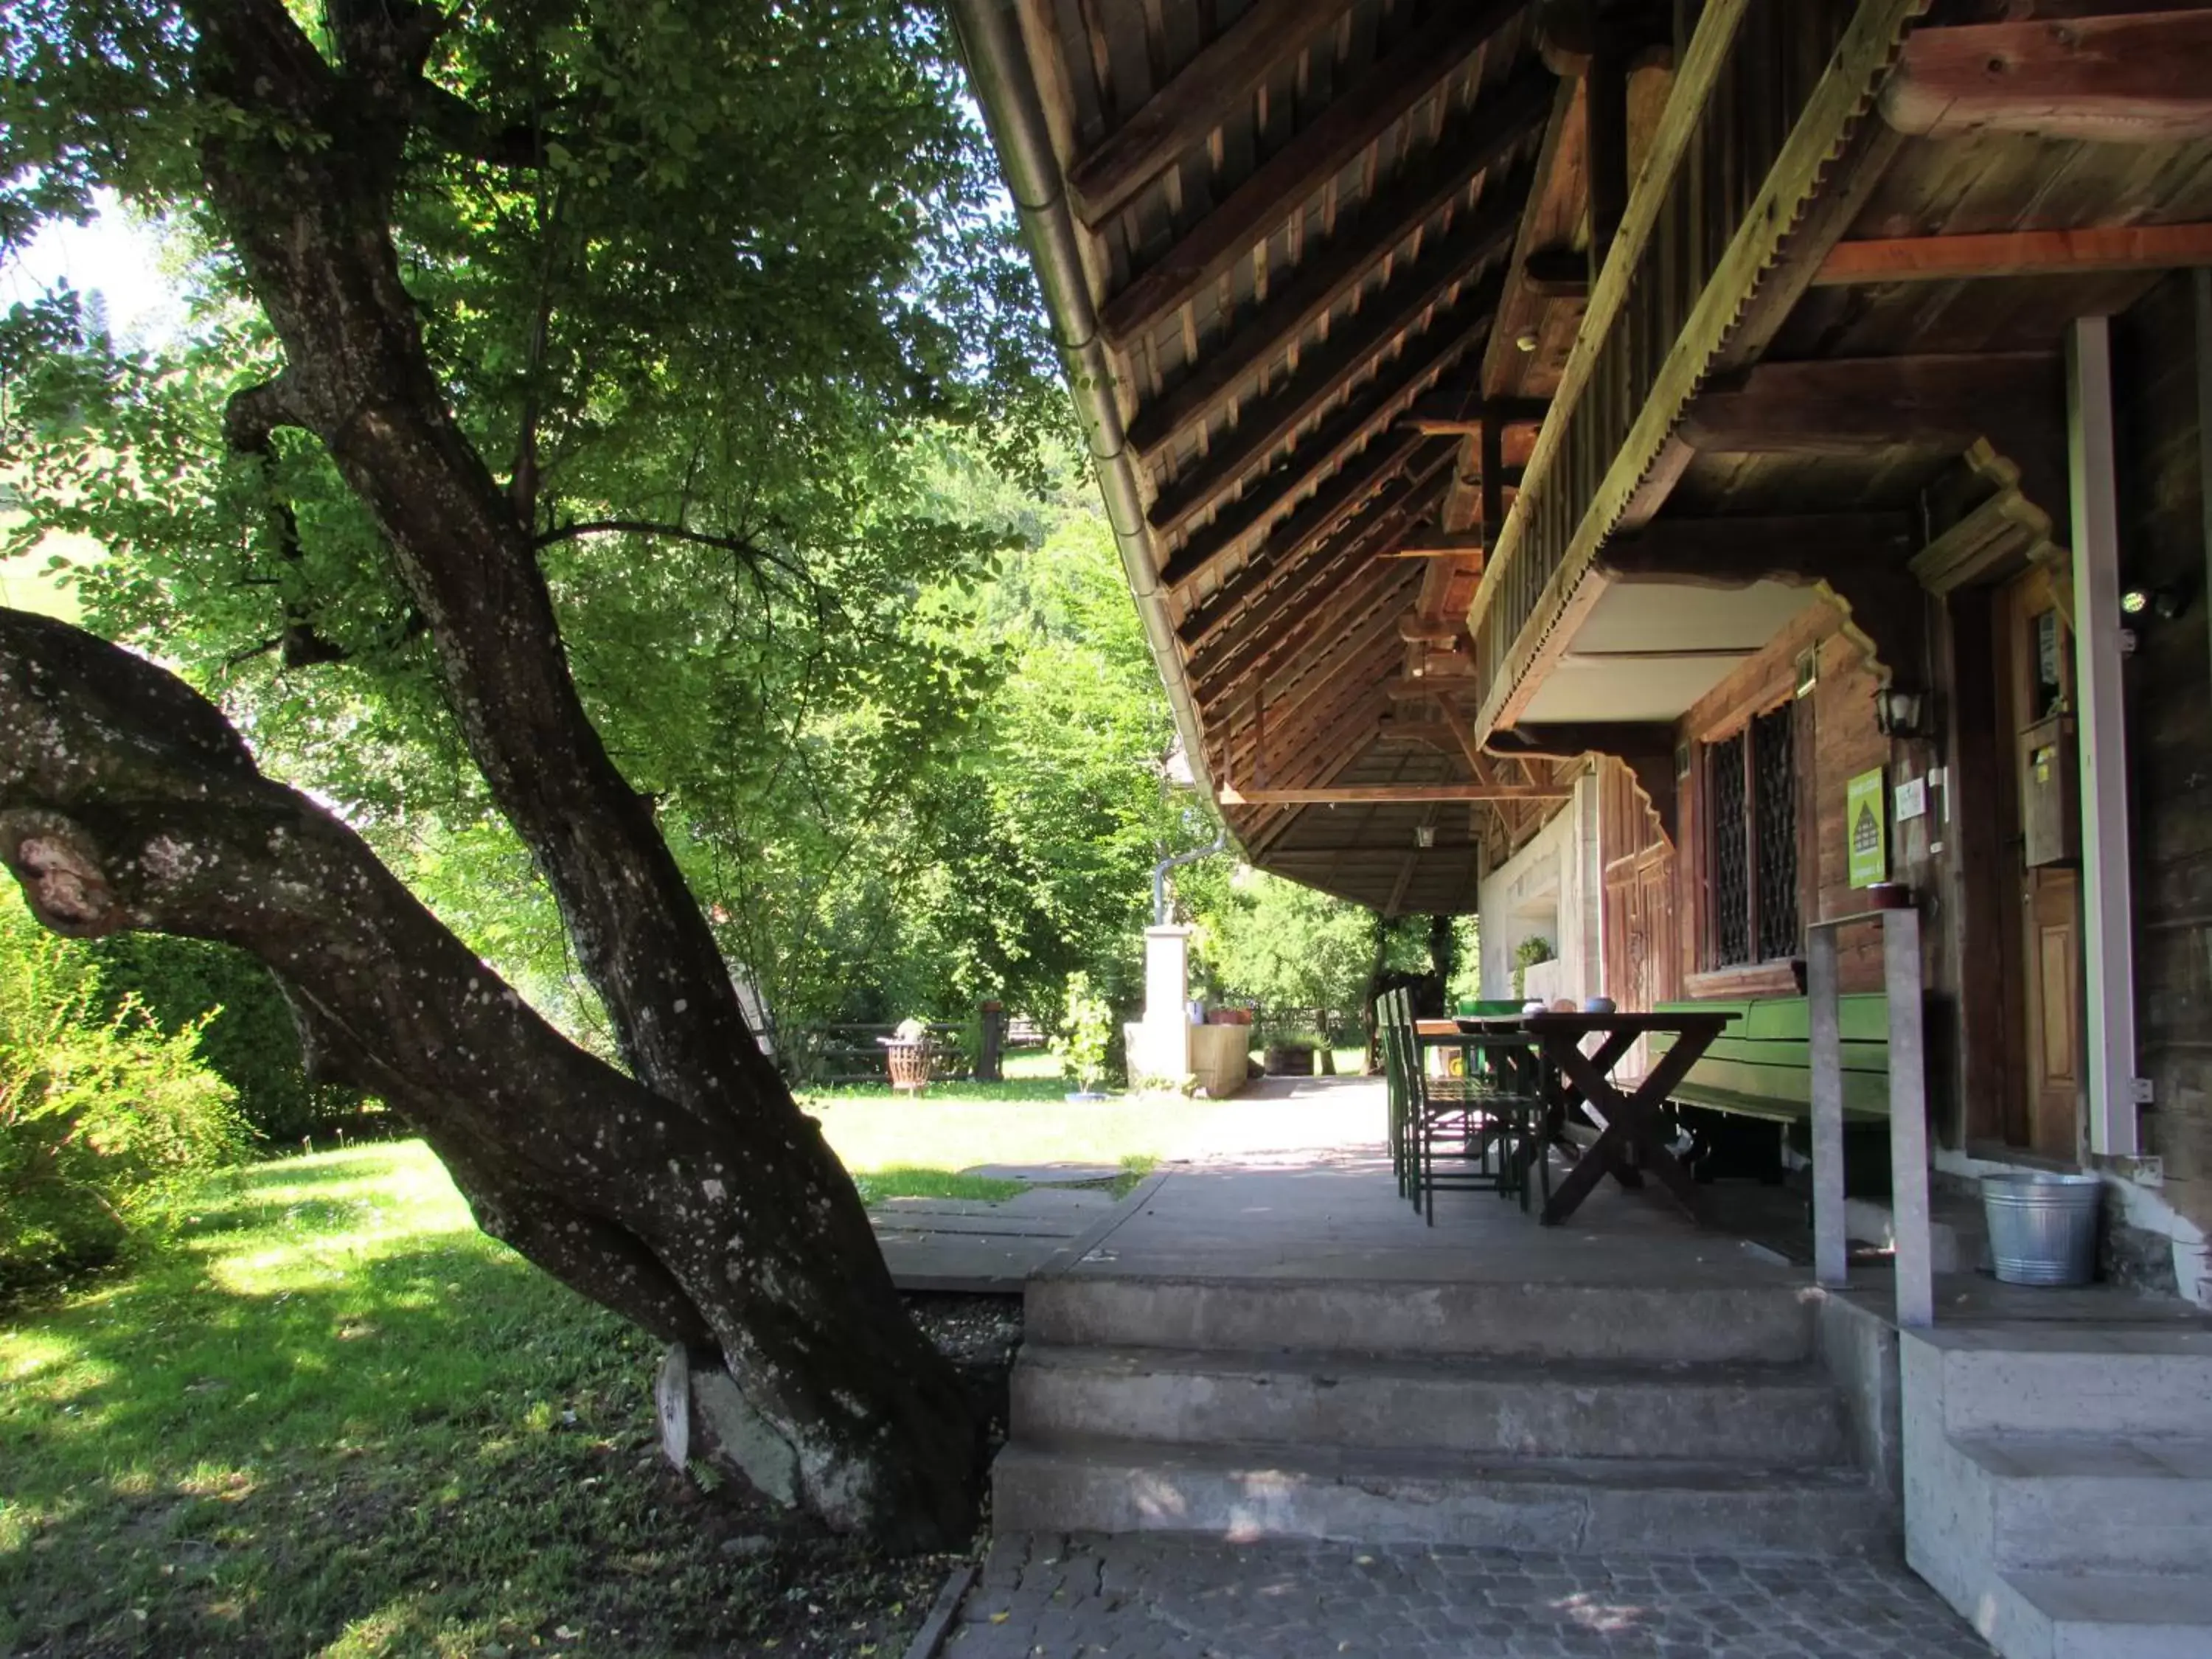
x=102 y=1115
x=1085 y=1033
x=246 y=1034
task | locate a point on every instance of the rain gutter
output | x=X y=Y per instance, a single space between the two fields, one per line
x=999 y=72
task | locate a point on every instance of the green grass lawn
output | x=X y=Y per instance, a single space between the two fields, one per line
x=335 y=1419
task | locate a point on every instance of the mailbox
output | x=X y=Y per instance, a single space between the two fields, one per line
x=2050 y=793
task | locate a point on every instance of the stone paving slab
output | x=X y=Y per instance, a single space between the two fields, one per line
x=1146 y=1596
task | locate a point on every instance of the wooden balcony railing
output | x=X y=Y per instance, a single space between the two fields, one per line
x=1765 y=98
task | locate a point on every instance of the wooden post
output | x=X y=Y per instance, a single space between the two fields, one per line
x=1908 y=1118
x=1605 y=126
x=1492 y=443
x=1831 y=1256
x=989 y=1061
x=2107 y=926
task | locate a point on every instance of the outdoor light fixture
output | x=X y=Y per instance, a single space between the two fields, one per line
x=2161 y=602
x=1897 y=713
x=1526 y=339
x=1425 y=835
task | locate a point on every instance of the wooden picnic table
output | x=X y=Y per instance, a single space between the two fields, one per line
x=1632 y=1137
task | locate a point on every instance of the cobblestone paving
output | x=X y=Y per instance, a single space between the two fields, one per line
x=1045 y=1597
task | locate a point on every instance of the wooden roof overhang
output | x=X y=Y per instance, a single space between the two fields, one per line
x=1476 y=378
x=1828 y=358
x=1281 y=239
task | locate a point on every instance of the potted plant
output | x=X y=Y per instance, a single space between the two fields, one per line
x=1084 y=1034
x=908 y=1050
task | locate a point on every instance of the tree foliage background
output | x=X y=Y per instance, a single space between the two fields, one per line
x=753 y=345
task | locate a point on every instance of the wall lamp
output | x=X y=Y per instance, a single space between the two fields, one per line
x=2164 y=603
x=1899 y=713
x=1425 y=836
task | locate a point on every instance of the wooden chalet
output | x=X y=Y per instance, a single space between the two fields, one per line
x=1717 y=417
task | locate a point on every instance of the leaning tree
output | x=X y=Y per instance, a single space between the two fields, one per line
x=519 y=278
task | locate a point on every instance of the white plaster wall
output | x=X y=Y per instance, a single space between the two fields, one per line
x=1551 y=887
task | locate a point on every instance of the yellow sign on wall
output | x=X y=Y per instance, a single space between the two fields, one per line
x=1866 y=829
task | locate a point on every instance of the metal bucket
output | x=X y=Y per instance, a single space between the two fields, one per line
x=2043 y=1228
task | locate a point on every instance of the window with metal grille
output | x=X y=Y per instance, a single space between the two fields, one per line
x=1752 y=849
x=1774 y=831
x=1731 y=855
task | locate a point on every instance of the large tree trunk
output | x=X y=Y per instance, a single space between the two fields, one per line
x=126 y=801
x=699 y=1200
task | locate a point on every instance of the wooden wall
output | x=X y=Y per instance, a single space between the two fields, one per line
x=2169 y=718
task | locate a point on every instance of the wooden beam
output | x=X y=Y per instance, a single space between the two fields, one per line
x=1434 y=544
x=2016 y=253
x=1178 y=117
x=1846 y=405
x=2140 y=78
x=1296 y=299
x=1390 y=794
x=1455 y=721
x=1265 y=424
x=1429 y=57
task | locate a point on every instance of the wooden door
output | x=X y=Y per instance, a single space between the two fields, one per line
x=2040 y=663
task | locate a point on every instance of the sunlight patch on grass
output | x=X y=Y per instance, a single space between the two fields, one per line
x=958 y=1134
x=906 y=1181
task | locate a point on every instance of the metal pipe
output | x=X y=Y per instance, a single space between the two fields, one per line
x=1160 y=874
x=999 y=72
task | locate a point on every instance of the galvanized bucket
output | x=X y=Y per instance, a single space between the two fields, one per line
x=2043 y=1228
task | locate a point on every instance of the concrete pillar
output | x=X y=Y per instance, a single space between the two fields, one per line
x=1167 y=975
x=1159 y=1043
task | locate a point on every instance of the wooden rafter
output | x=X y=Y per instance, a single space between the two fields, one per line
x=1354 y=427
x=1467 y=149
x=1306 y=525
x=2016 y=253
x=1178 y=117
x=1426 y=58
x=2133 y=78
x=1296 y=616
x=1267 y=589
x=1329 y=654
x=1332 y=371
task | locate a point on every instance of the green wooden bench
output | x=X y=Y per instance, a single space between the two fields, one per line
x=1762 y=1065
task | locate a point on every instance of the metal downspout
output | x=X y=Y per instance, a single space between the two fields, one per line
x=1175 y=860
x=999 y=72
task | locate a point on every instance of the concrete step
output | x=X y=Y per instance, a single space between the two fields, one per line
x=1087 y=1484
x=2095 y=1615
x=1690 y=1324
x=2050 y=1379
x=2072 y=1503
x=1767 y=1414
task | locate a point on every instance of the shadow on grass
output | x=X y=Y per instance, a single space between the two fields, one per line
x=353 y=1425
